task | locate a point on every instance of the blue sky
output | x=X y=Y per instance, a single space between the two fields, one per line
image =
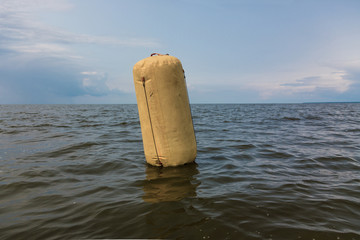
x=233 y=51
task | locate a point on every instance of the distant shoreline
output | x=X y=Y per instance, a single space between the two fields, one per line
x=2 y=104
x=330 y=102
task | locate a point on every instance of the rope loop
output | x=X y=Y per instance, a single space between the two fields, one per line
x=158 y=54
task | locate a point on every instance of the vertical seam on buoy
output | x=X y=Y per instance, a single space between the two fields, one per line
x=151 y=125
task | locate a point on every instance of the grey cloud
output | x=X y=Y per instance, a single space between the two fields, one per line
x=37 y=63
x=41 y=82
x=38 y=81
x=302 y=82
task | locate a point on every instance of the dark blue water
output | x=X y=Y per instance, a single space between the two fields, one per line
x=282 y=171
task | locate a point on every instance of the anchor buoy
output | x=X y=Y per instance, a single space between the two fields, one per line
x=164 y=111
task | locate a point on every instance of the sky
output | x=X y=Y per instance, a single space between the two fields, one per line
x=232 y=51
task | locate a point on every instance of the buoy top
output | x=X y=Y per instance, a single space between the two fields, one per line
x=157 y=60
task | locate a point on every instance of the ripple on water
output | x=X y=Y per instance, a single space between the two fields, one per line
x=272 y=171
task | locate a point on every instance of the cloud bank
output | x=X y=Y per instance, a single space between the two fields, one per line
x=40 y=63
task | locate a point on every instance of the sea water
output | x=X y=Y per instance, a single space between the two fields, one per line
x=263 y=171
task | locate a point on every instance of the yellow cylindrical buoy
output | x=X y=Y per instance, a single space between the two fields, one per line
x=164 y=111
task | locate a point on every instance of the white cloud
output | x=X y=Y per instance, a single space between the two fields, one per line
x=94 y=83
x=335 y=81
x=100 y=82
x=36 y=48
x=22 y=32
x=291 y=84
x=35 y=5
x=89 y=73
x=349 y=65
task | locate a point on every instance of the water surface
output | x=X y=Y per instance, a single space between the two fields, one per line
x=272 y=171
